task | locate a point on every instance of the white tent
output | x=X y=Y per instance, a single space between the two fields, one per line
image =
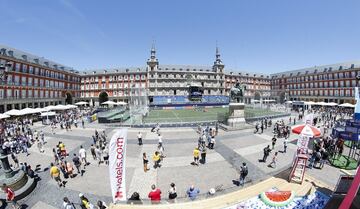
x=331 y=104
x=109 y=103
x=321 y=103
x=121 y=103
x=288 y=102
x=44 y=114
x=14 y=112
x=3 y=116
x=346 y=105
x=50 y=107
x=40 y=109
x=81 y=103
x=310 y=103
x=71 y=106
x=28 y=111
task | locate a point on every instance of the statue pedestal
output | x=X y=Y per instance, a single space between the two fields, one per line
x=236 y=115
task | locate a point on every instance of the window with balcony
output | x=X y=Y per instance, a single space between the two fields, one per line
x=17 y=67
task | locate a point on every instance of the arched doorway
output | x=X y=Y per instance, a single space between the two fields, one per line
x=103 y=97
x=282 y=97
x=257 y=96
x=68 y=99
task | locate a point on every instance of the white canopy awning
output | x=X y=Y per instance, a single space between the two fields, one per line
x=109 y=103
x=14 y=112
x=45 y=114
x=121 y=103
x=310 y=103
x=81 y=103
x=3 y=116
x=346 y=105
x=288 y=102
x=331 y=104
x=69 y=106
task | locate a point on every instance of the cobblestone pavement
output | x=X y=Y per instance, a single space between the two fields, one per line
x=220 y=171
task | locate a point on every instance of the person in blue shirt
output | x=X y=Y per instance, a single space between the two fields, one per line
x=192 y=192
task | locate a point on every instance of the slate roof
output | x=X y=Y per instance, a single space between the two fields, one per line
x=319 y=69
x=27 y=57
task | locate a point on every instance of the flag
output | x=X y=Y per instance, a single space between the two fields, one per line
x=117 y=155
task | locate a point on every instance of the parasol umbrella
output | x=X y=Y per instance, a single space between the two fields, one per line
x=306 y=130
x=346 y=105
x=121 y=103
x=14 y=112
x=3 y=116
x=109 y=103
x=81 y=103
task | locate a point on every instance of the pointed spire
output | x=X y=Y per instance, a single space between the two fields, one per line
x=153 y=51
x=218 y=60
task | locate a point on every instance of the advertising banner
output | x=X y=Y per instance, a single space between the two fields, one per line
x=117 y=155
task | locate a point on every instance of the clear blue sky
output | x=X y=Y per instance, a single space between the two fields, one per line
x=257 y=36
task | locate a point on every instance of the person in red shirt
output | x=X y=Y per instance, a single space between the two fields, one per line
x=10 y=196
x=155 y=195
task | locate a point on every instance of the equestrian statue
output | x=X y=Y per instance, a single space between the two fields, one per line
x=237 y=92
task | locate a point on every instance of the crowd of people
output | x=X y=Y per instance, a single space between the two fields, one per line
x=18 y=135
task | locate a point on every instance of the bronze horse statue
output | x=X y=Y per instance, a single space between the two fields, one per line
x=237 y=92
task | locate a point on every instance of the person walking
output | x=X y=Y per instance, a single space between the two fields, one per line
x=267 y=151
x=10 y=196
x=285 y=145
x=77 y=164
x=42 y=137
x=55 y=174
x=101 y=205
x=106 y=155
x=203 y=154
x=69 y=169
x=92 y=150
x=192 y=192
x=156 y=158
x=160 y=139
x=243 y=173
x=274 y=160
x=324 y=157
x=98 y=155
x=139 y=136
x=196 y=154
x=85 y=203
x=82 y=123
x=67 y=204
x=155 y=195
x=273 y=142
x=145 y=162
x=172 y=193
x=82 y=155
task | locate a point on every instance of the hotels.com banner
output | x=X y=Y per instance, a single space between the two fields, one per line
x=117 y=154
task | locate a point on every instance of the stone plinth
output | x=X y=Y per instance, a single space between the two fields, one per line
x=236 y=115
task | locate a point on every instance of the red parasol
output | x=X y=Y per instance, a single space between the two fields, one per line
x=306 y=130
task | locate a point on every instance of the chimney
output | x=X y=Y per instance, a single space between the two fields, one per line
x=46 y=63
x=24 y=57
x=36 y=60
x=62 y=68
x=55 y=66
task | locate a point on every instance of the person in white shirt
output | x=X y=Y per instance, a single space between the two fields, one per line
x=82 y=155
x=139 y=136
x=160 y=139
